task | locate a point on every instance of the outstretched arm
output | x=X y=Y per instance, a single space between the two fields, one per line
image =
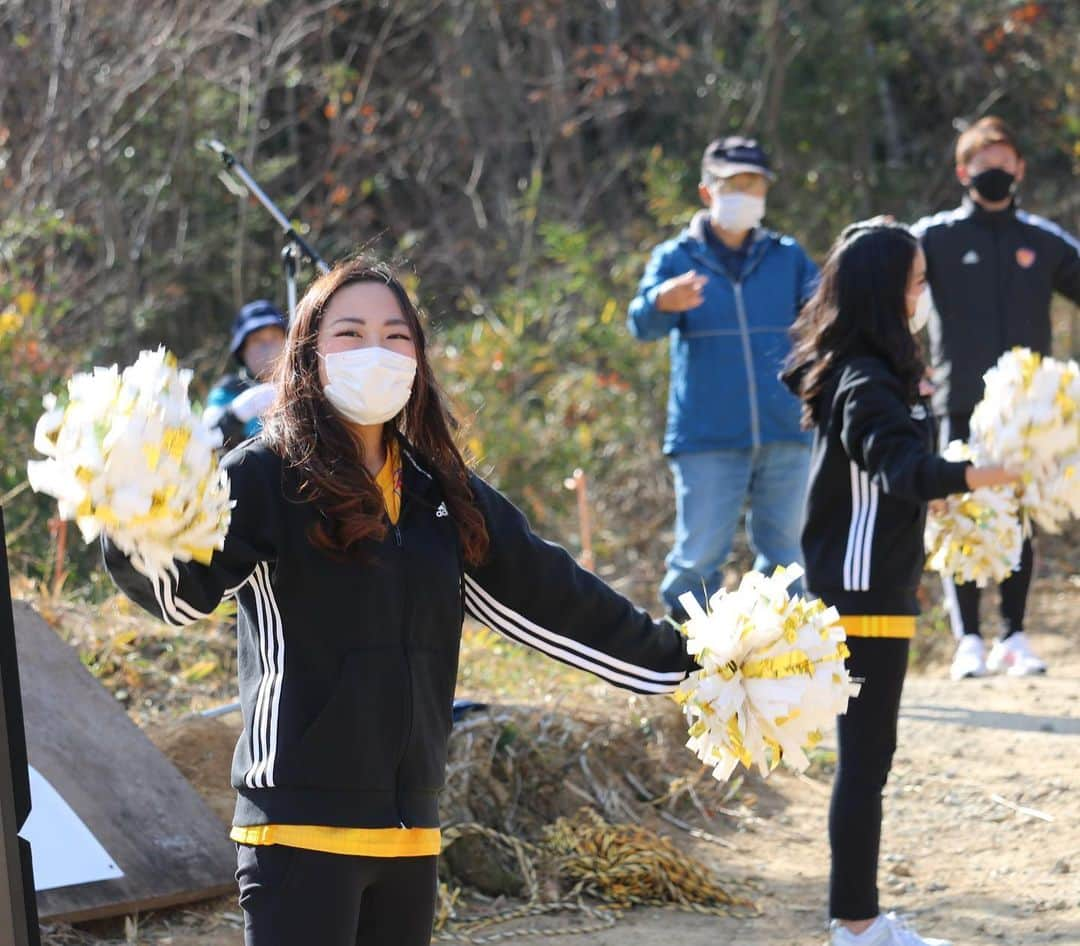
x=534 y=592
x=195 y=590
x=879 y=434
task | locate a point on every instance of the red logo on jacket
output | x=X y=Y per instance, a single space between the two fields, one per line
x=1025 y=257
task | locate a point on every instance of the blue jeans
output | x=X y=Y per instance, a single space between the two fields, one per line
x=710 y=490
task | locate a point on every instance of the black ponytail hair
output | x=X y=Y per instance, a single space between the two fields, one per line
x=859 y=307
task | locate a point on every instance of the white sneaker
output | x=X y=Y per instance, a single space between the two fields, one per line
x=970 y=658
x=887 y=930
x=1014 y=657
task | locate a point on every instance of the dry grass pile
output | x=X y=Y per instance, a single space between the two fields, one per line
x=559 y=810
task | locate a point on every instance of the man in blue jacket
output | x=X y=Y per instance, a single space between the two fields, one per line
x=725 y=292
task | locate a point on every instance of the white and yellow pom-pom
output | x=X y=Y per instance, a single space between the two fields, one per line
x=976 y=536
x=127 y=457
x=1029 y=420
x=1053 y=499
x=773 y=676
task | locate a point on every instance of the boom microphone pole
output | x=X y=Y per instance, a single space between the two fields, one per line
x=295 y=246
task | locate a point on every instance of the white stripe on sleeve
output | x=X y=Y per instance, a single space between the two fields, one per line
x=483 y=606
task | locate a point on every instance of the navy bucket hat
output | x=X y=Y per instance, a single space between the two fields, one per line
x=252 y=317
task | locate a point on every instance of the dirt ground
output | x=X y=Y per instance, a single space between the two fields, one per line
x=982 y=828
x=957 y=853
x=981 y=837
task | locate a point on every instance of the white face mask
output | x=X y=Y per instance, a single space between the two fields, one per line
x=923 y=308
x=736 y=212
x=368 y=385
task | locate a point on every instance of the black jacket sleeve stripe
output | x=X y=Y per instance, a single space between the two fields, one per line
x=1050 y=227
x=167 y=608
x=576 y=647
x=186 y=611
x=277 y=651
x=514 y=626
x=264 y=729
x=155 y=584
x=258 y=722
x=860 y=539
x=526 y=588
x=155 y=593
x=255 y=735
x=231 y=592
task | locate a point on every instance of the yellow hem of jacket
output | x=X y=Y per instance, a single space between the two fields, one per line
x=878 y=625
x=366 y=842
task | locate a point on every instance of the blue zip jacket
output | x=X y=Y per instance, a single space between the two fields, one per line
x=726 y=355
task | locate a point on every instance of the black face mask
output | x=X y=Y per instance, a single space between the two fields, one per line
x=993 y=185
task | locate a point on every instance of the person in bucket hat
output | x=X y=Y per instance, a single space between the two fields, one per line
x=238 y=401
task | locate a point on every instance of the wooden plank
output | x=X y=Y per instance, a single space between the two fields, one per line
x=18 y=916
x=18 y=921
x=169 y=844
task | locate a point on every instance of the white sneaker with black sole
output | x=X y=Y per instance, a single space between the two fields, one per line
x=970 y=658
x=887 y=930
x=1014 y=656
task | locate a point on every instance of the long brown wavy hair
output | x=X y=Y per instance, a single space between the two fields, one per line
x=316 y=442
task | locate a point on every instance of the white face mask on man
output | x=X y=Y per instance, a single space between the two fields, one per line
x=923 y=309
x=736 y=212
x=368 y=385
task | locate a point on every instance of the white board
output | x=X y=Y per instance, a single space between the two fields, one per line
x=65 y=851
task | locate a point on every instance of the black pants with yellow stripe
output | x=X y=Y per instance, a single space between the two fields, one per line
x=292 y=897
x=867 y=741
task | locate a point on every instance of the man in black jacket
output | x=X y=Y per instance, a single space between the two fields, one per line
x=993 y=269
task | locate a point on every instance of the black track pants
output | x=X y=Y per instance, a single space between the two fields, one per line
x=295 y=897
x=867 y=740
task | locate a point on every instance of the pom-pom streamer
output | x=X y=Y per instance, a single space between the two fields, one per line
x=127 y=457
x=772 y=674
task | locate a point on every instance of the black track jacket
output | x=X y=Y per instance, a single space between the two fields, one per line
x=347 y=671
x=992 y=275
x=873 y=470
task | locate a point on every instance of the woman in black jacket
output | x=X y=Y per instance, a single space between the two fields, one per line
x=358 y=542
x=856 y=367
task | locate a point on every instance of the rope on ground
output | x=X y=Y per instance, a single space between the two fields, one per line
x=448 y=928
x=619 y=865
